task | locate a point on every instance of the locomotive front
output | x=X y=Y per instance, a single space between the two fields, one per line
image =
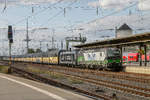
x=100 y=58
x=114 y=59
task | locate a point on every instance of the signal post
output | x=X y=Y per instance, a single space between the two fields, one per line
x=10 y=38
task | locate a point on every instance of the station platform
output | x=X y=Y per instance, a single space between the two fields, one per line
x=138 y=69
x=16 y=88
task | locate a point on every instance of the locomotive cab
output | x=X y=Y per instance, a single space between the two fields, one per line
x=113 y=59
x=68 y=58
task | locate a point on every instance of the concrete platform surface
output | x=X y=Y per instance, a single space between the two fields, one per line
x=16 y=88
x=138 y=69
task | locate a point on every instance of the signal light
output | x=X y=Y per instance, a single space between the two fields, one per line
x=10 y=34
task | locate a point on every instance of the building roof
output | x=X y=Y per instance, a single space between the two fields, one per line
x=130 y=40
x=124 y=27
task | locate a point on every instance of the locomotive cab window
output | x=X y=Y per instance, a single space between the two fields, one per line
x=67 y=57
x=113 y=52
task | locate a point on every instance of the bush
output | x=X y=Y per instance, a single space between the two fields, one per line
x=4 y=69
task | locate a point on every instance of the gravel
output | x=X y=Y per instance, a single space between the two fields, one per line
x=97 y=89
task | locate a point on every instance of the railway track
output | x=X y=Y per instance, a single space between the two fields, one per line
x=113 y=85
x=36 y=77
x=144 y=92
x=120 y=75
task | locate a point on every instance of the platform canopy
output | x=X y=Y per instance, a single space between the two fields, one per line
x=116 y=42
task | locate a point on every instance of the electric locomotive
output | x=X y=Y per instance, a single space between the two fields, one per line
x=100 y=58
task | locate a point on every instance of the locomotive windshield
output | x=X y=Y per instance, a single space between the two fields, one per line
x=113 y=52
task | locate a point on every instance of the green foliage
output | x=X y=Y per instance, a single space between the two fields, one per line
x=31 y=50
x=54 y=75
x=141 y=51
x=38 y=50
x=45 y=72
x=4 y=69
x=75 y=81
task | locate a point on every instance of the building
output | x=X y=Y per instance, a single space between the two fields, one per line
x=123 y=31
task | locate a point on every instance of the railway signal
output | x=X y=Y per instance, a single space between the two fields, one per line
x=10 y=34
x=10 y=37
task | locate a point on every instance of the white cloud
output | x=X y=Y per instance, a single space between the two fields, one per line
x=119 y=4
x=144 y=5
x=106 y=26
x=29 y=2
x=115 y=4
x=26 y=2
x=8 y=2
x=94 y=4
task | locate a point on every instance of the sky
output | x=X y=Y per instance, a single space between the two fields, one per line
x=94 y=19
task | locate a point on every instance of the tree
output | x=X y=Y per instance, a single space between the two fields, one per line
x=38 y=50
x=30 y=50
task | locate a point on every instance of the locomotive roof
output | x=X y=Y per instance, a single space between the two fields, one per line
x=130 y=40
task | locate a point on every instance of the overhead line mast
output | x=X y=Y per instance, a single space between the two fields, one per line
x=27 y=36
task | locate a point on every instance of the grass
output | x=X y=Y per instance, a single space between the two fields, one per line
x=4 y=69
x=46 y=72
x=54 y=75
x=74 y=81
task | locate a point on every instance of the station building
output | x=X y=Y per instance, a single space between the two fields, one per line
x=123 y=31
